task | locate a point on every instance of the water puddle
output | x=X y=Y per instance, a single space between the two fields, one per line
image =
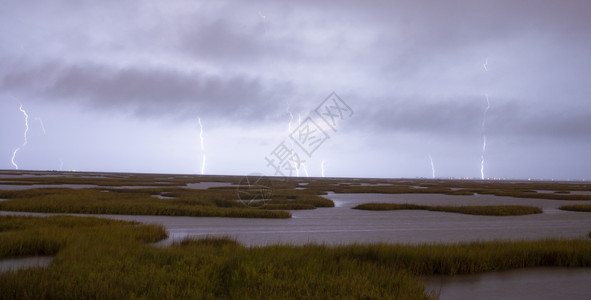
x=374 y=184
x=532 y=283
x=206 y=185
x=162 y=197
x=15 y=264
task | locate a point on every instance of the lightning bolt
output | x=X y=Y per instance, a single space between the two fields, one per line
x=293 y=156
x=322 y=168
x=301 y=162
x=482 y=160
x=41 y=123
x=305 y=170
x=202 y=146
x=432 y=165
x=483 y=128
x=25 y=135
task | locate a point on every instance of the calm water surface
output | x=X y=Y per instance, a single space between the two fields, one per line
x=534 y=283
x=14 y=264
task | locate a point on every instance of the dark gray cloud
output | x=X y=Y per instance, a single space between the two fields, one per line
x=226 y=43
x=148 y=91
x=460 y=117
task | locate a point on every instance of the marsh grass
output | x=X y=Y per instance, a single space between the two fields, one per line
x=499 y=210
x=297 y=199
x=469 y=187
x=162 y=195
x=111 y=179
x=99 y=258
x=185 y=202
x=577 y=207
x=111 y=259
x=285 y=195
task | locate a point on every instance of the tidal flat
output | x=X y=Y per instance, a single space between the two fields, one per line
x=312 y=221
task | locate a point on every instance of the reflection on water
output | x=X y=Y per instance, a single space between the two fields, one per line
x=534 y=283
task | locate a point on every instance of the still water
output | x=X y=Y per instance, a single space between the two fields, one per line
x=534 y=283
x=15 y=264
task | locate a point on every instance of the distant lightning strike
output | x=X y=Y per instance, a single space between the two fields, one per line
x=485 y=111
x=305 y=170
x=485 y=65
x=202 y=146
x=293 y=155
x=482 y=160
x=432 y=165
x=302 y=162
x=290 y=118
x=25 y=135
x=41 y=123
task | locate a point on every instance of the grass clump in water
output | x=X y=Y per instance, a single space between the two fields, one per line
x=577 y=207
x=498 y=210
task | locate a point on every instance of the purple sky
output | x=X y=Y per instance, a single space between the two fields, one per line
x=120 y=85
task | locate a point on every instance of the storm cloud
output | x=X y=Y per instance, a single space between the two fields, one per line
x=411 y=70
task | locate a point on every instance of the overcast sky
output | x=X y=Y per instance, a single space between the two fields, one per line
x=120 y=86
